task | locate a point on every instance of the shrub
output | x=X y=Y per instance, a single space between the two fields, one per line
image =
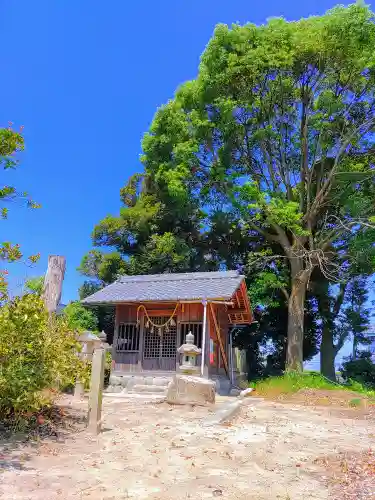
x=80 y=318
x=37 y=353
x=360 y=370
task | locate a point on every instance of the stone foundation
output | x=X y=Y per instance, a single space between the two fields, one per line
x=158 y=383
x=138 y=383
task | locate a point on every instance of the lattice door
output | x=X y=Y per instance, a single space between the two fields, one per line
x=160 y=348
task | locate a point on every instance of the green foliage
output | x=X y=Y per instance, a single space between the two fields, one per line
x=105 y=315
x=355 y=402
x=292 y=382
x=360 y=370
x=104 y=266
x=164 y=252
x=79 y=317
x=11 y=143
x=37 y=353
x=35 y=285
x=263 y=162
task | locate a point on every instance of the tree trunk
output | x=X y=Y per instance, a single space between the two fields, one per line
x=296 y=316
x=354 y=354
x=327 y=354
x=53 y=282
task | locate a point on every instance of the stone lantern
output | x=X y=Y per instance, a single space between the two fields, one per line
x=103 y=336
x=89 y=342
x=189 y=353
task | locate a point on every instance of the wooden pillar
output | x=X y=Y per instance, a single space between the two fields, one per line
x=221 y=344
x=179 y=340
x=96 y=391
x=141 y=341
x=115 y=337
x=205 y=360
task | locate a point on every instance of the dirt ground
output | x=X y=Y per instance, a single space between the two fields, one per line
x=272 y=450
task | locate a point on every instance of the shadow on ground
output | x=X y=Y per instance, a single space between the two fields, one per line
x=55 y=424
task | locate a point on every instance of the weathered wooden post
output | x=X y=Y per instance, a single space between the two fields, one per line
x=53 y=282
x=96 y=391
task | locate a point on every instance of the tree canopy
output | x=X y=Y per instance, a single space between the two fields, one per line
x=263 y=162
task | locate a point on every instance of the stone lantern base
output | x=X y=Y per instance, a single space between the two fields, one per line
x=187 y=389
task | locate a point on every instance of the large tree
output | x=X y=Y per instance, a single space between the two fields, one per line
x=278 y=128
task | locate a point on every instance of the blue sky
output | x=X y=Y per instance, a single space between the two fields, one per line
x=84 y=78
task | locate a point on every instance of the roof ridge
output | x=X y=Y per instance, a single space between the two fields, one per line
x=197 y=275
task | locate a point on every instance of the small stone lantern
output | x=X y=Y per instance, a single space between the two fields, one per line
x=89 y=342
x=190 y=353
x=102 y=336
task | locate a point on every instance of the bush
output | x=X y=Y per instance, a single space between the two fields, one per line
x=80 y=318
x=360 y=370
x=37 y=353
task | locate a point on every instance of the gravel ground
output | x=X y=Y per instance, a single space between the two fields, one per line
x=153 y=451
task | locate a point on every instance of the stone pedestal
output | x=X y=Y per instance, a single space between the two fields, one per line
x=190 y=390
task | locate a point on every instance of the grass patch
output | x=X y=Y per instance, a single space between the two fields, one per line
x=355 y=402
x=292 y=382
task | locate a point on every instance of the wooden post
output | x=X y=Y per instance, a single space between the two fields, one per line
x=114 y=342
x=96 y=391
x=53 y=282
x=204 y=340
x=179 y=343
x=141 y=336
x=218 y=333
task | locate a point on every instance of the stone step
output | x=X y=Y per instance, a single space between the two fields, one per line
x=151 y=389
x=128 y=381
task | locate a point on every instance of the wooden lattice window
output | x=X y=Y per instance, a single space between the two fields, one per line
x=160 y=344
x=128 y=337
x=169 y=345
x=196 y=329
x=152 y=345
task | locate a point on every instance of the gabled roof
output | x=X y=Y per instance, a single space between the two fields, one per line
x=172 y=287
